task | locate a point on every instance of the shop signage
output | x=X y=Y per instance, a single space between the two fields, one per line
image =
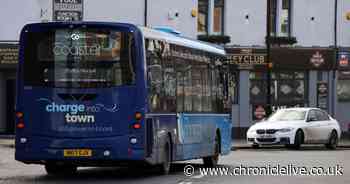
x=8 y=55
x=68 y=10
x=303 y=58
x=246 y=59
x=343 y=61
x=317 y=59
x=259 y=112
x=322 y=95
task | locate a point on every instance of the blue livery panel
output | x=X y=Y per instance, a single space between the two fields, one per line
x=192 y=135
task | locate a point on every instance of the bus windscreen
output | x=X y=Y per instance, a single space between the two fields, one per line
x=79 y=58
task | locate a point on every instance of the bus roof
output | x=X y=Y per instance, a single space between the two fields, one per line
x=179 y=40
x=151 y=33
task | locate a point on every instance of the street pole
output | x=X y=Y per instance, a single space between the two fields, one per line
x=269 y=64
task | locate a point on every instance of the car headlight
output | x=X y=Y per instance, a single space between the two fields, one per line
x=284 y=130
x=251 y=130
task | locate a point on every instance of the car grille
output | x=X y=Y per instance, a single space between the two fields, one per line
x=266 y=139
x=268 y=131
x=271 y=131
x=260 y=131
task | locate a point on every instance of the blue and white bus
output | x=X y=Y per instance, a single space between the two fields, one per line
x=105 y=94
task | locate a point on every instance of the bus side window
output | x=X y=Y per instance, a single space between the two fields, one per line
x=214 y=88
x=168 y=99
x=154 y=75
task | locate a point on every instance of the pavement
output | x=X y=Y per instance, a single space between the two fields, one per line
x=7 y=142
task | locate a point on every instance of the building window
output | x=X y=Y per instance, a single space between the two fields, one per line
x=285 y=18
x=211 y=16
x=203 y=10
x=343 y=87
x=257 y=87
x=280 y=18
x=273 y=17
x=233 y=87
x=218 y=17
x=287 y=88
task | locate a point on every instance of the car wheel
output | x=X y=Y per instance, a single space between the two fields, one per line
x=54 y=169
x=299 y=138
x=333 y=141
x=212 y=161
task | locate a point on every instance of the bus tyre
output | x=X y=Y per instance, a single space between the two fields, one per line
x=165 y=166
x=54 y=169
x=212 y=161
x=332 y=141
x=299 y=138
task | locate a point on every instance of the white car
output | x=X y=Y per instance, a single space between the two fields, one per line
x=295 y=126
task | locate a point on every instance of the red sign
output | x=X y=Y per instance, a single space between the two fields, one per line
x=259 y=112
x=317 y=59
x=344 y=61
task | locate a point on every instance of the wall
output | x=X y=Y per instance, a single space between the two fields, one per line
x=242 y=31
x=131 y=11
x=161 y=13
x=319 y=32
x=14 y=14
x=343 y=23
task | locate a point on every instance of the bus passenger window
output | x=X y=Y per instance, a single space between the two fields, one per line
x=188 y=89
x=154 y=76
x=197 y=88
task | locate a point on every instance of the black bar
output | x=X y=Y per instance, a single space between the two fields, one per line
x=146 y=12
x=268 y=49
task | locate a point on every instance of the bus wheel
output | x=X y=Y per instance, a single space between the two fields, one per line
x=54 y=169
x=212 y=161
x=165 y=166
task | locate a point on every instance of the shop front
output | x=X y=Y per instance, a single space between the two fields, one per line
x=343 y=89
x=8 y=63
x=241 y=63
x=300 y=77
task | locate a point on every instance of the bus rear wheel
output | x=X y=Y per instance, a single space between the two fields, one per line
x=164 y=167
x=55 y=169
x=212 y=161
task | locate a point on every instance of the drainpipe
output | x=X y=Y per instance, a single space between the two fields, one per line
x=336 y=24
x=268 y=50
x=145 y=15
x=334 y=91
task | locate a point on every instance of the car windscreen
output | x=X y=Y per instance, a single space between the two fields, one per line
x=79 y=58
x=287 y=115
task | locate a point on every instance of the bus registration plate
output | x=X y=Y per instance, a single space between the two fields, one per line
x=77 y=153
